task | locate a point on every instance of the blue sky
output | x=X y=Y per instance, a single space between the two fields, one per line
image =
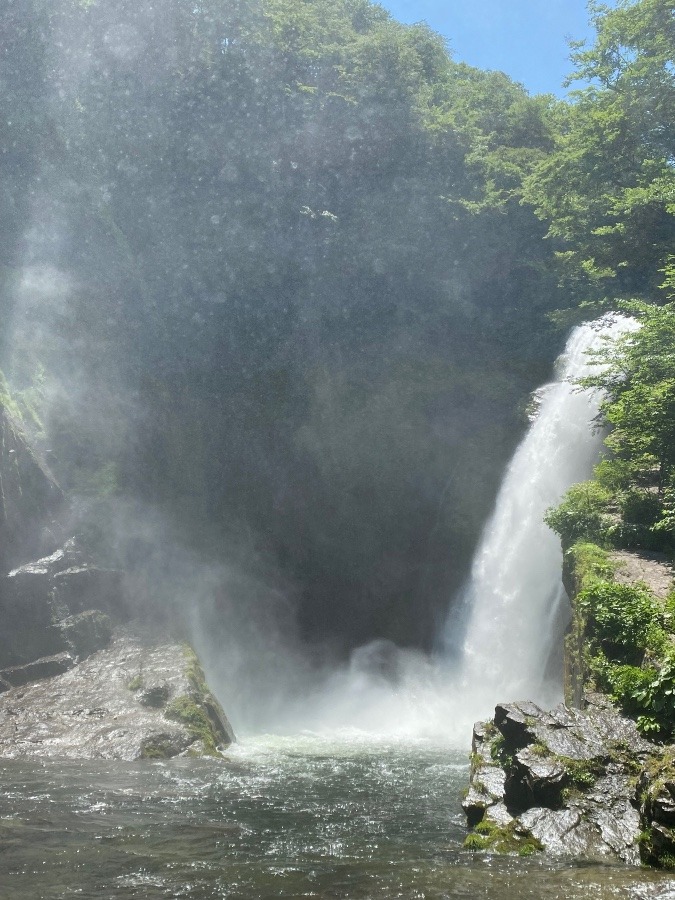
x=527 y=39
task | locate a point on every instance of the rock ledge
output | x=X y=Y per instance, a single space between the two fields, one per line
x=140 y=697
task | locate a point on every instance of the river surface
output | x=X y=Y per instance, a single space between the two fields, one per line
x=290 y=817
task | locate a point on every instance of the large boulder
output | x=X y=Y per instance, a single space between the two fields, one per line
x=563 y=781
x=47 y=667
x=144 y=696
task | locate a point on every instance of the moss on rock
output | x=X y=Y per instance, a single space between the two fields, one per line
x=188 y=712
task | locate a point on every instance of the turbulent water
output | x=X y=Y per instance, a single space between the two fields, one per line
x=514 y=602
x=282 y=817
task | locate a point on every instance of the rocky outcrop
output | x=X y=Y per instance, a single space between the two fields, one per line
x=30 y=498
x=77 y=679
x=581 y=780
x=564 y=781
x=78 y=682
x=47 y=667
x=60 y=603
x=141 y=697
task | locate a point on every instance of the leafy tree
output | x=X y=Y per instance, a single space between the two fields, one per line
x=637 y=374
x=608 y=189
x=630 y=502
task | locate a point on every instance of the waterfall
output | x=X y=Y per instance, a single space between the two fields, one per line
x=514 y=605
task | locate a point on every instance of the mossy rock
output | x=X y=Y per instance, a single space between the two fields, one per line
x=164 y=745
x=221 y=730
x=501 y=839
x=200 y=724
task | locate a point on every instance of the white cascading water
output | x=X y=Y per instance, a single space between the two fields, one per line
x=511 y=613
x=513 y=603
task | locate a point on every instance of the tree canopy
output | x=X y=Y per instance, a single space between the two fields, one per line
x=608 y=188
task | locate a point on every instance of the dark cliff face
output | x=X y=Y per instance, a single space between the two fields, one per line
x=71 y=672
x=30 y=499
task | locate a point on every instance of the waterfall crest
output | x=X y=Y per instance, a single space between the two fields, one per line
x=512 y=609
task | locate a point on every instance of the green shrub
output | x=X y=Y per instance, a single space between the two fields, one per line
x=658 y=699
x=640 y=507
x=626 y=535
x=648 y=694
x=582 y=514
x=624 y=683
x=619 y=617
x=590 y=562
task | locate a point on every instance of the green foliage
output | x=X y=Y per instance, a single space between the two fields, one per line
x=499 y=753
x=476 y=761
x=618 y=615
x=669 y=611
x=590 y=563
x=652 y=851
x=582 y=515
x=624 y=682
x=186 y=710
x=194 y=672
x=538 y=749
x=646 y=693
x=627 y=639
x=639 y=507
x=8 y=401
x=657 y=698
x=637 y=375
x=583 y=773
x=607 y=189
x=475 y=841
x=489 y=836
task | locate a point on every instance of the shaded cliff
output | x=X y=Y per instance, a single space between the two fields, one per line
x=78 y=677
x=30 y=497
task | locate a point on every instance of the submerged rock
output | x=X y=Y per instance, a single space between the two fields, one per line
x=96 y=708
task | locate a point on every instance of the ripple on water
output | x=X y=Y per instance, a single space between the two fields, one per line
x=311 y=816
